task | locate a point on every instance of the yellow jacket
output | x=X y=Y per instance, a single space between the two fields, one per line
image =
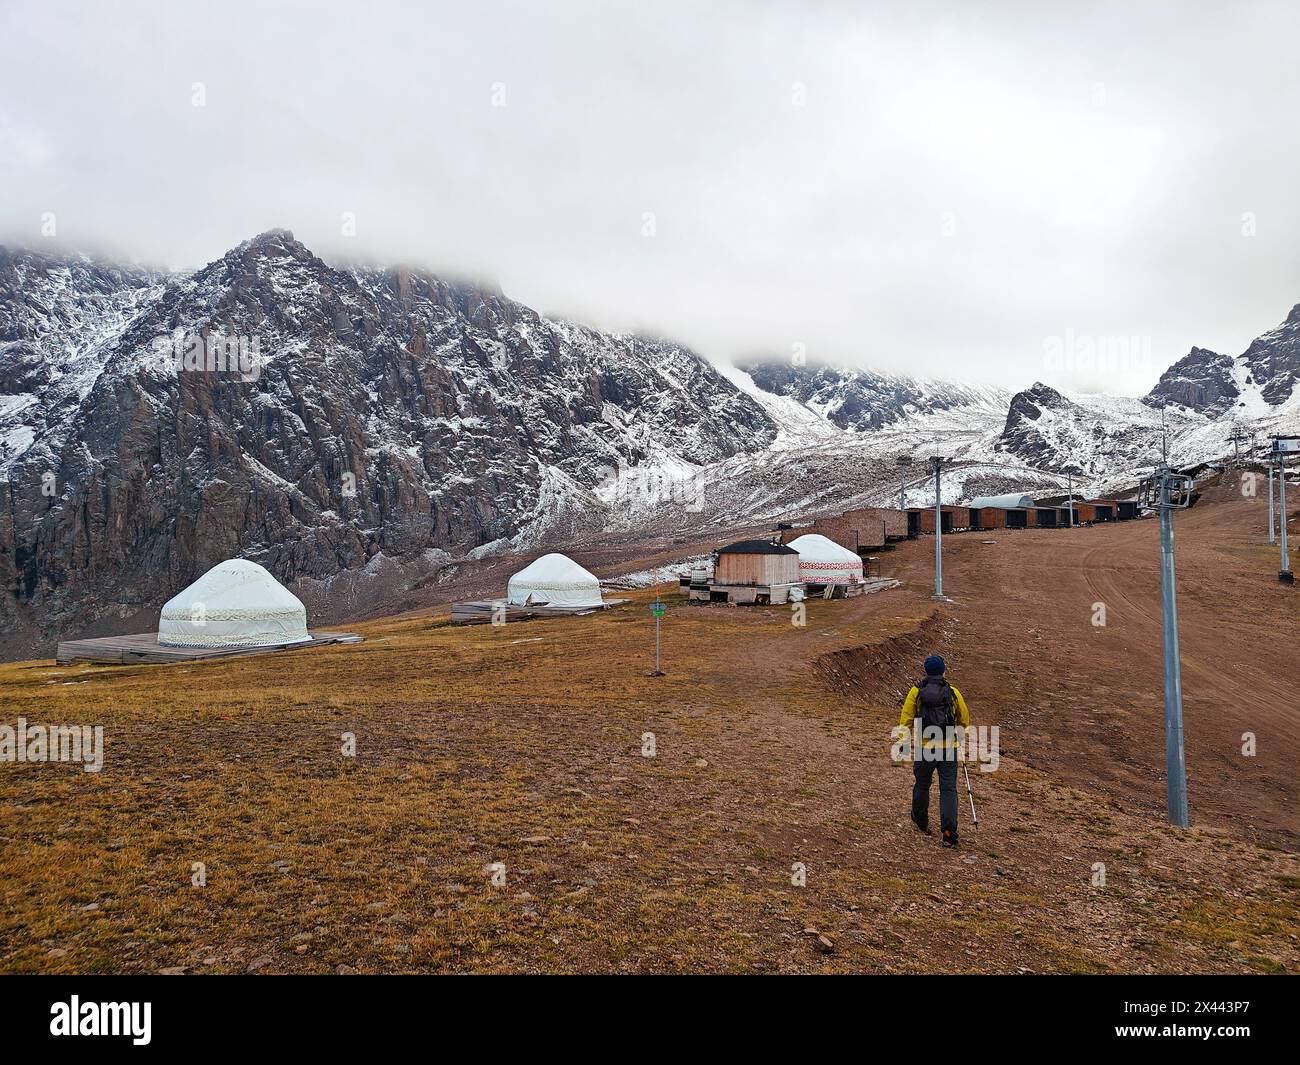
x=910 y=712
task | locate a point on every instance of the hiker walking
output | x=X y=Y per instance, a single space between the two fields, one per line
x=936 y=703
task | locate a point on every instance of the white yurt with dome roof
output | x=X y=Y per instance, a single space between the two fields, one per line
x=823 y=561
x=555 y=581
x=236 y=603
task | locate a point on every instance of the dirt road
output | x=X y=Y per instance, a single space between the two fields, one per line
x=1085 y=700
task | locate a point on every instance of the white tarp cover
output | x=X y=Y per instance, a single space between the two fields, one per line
x=1012 y=501
x=554 y=580
x=823 y=561
x=235 y=604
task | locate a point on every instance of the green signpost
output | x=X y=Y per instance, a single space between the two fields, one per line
x=658 y=608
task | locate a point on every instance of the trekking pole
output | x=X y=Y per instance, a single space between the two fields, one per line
x=970 y=794
x=966 y=773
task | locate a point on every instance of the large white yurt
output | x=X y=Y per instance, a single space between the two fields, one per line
x=823 y=561
x=554 y=580
x=235 y=604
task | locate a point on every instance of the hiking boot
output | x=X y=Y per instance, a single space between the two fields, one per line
x=949 y=839
x=921 y=828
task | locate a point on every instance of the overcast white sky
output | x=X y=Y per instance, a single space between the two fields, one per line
x=933 y=188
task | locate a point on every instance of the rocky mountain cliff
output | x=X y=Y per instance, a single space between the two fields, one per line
x=1092 y=437
x=1201 y=401
x=1262 y=377
x=1274 y=360
x=312 y=418
x=863 y=400
x=1201 y=380
x=355 y=429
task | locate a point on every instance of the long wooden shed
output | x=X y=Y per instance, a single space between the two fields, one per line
x=954 y=519
x=861 y=529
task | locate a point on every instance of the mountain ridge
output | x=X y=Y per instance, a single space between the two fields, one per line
x=378 y=422
x=389 y=412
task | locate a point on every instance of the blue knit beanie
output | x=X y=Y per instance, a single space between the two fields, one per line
x=935 y=666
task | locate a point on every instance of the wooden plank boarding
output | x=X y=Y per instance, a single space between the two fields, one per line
x=144 y=647
x=482 y=611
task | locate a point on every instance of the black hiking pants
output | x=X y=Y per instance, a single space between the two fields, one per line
x=923 y=770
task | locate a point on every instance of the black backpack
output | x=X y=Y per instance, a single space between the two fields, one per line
x=934 y=703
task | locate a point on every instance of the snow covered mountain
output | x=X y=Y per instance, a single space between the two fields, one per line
x=1202 y=400
x=356 y=429
x=863 y=400
x=314 y=419
x=1092 y=437
x=1256 y=384
x=1203 y=381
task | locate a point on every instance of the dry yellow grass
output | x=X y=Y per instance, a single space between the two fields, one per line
x=521 y=745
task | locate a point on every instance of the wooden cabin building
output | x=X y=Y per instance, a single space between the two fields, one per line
x=751 y=571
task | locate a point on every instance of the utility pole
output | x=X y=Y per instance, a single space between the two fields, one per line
x=1284 y=574
x=1175 y=764
x=1238 y=437
x=1069 y=482
x=904 y=461
x=1268 y=463
x=1165 y=492
x=937 y=460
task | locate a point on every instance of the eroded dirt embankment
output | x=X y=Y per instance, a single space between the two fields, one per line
x=876 y=672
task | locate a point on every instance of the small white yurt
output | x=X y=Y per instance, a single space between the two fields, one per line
x=823 y=561
x=554 y=580
x=235 y=604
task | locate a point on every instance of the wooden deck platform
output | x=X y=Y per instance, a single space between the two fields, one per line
x=482 y=611
x=745 y=594
x=144 y=647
